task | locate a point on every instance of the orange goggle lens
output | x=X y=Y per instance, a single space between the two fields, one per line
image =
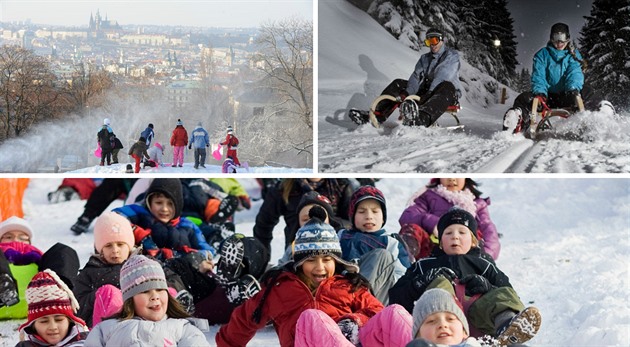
x=431 y=41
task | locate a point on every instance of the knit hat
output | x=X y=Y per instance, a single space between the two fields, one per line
x=436 y=300
x=47 y=294
x=151 y=125
x=112 y=227
x=434 y=32
x=318 y=238
x=106 y=121
x=199 y=124
x=179 y=122
x=559 y=32
x=456 y=215
x=139 y=274
x=364 y=193
x=16 y=223
x=142 y=139
x=171 y=188
x=229 y=129
x=314 y=197
x=159 y=145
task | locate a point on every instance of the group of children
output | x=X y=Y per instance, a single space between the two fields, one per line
x=358 y=286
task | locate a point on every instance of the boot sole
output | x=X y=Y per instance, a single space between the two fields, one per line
x=522 y=328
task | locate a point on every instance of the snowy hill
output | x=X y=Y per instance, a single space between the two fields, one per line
x=358 y=58
x=565 y=248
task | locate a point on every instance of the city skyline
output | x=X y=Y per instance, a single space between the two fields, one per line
x=199 y=13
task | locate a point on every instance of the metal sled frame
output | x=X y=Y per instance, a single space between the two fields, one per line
x=547 y=113
x=452 y=110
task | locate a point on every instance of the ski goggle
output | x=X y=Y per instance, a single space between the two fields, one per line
x=559 y=38
x=433 y=40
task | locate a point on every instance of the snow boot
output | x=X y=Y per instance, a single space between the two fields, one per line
x=8 y=291
x=607 y=107
x=521 y=328
x=82 y=225
x=230 y=264
x=129 y=169
x=412 y=115
x=359 y=117
x=227 y=207
x=513 y=120
x=243 y=289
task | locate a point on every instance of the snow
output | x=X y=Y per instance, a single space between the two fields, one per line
x=358 y=58
x=564 y=246
x=188 y=168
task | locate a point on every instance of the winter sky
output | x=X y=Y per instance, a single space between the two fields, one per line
x=205 y=13
x=533 y=20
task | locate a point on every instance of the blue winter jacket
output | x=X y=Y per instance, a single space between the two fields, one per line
x=148 y=135
x=199 y=138
x=355 y=243
x=556 y=71
x=427 y=68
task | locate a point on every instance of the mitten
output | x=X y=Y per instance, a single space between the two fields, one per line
x=349 y=329
x=422 y=281
x=189 y=146
x=148 y=244
x=476 y=284
x=246 y=203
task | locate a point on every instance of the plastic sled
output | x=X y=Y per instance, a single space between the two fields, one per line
x=98 y=150
x=218 y=153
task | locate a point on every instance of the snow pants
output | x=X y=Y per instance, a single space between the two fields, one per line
x=232 y=154
x=178 y=155
x=200 y=156
x=481 y=313
x=115 y=155
x=103 y=195
x=390 y=327
x=382 y=270
x=558 y=100
x=137 y=159
x=436 y=102
x=106 y=154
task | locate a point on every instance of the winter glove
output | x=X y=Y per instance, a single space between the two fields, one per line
x=245 y=202
x=189 y=146
x=542 y=96
x=207 y=145
x=476 y=284
x=420 y=282
x=349 y=329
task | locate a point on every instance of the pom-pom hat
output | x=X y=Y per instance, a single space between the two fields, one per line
x=16 y=223
x=433 y=301
x=139 y=274
x=318 y=238
x=47 y=294
x=112 y=227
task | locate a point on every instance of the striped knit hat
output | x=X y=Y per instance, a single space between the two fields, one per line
x=47 y=294
x=140 y=274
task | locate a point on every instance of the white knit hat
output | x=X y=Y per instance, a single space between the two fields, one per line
x=16 y=223
x=106 y=121
x=436 y=300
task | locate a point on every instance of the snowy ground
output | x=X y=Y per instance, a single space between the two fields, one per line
x=187 y=169
x=358 y=58
x=565 y=249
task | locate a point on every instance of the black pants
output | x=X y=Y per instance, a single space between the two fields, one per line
x=558 y=100
x=436 y=102
x=103 y=195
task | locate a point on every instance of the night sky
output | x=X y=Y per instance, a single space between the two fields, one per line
x=533 y=20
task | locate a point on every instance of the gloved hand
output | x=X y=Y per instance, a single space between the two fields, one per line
x=207 y=145
x=349 y=329
x=189 y=146
x=245 y=202
x=541 y=96
x=476 y=284
x=422 y=281
x=574 y=92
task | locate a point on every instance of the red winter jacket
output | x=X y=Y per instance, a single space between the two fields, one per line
x=179 y=137
x=231 y=141
x=288 y=298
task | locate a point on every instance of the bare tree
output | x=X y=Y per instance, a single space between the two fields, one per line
x=27 y=89
x=286 y=58
x=87 y=86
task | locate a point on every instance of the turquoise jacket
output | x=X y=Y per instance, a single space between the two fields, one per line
x=556 y=71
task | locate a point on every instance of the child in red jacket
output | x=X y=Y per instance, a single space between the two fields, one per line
x=232 y=143
x=317 y=299
x=179 y=140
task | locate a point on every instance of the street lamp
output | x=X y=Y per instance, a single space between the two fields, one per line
x=496 y=42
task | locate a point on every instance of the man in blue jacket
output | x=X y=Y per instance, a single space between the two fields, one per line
x=557 y=78
x=435 y=79
x=199 y=139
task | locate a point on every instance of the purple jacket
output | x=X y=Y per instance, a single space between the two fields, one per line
x=430 y=206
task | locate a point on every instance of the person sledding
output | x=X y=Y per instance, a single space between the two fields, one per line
x=231 y=142
x=432 y=87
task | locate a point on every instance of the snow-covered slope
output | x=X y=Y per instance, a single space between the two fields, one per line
x=565 y=248
x=358 y=58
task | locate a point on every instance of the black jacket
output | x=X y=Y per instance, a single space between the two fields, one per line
x=474 y=262
x=94 y=275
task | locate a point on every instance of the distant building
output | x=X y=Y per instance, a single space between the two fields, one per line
x=103 y=28
x=180 y=93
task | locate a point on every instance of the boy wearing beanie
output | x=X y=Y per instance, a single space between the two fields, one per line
x=97 y=285
x=51 y=313
x=383 y=259
x=460 y=267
